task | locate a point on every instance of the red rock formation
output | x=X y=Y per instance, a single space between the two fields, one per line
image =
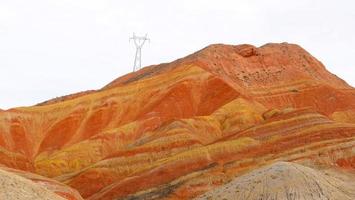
x=176 y=130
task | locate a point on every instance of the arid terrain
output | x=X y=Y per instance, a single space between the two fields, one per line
x=283 y=180
x=226 y=122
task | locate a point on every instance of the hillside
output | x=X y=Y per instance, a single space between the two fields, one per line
x=179 y=129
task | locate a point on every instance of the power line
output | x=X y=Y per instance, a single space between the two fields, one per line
x=139 y=42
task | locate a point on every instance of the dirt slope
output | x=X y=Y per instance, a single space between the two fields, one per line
x=284 y=181
x=14 y=187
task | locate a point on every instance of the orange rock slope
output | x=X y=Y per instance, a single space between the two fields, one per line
x=177 y=130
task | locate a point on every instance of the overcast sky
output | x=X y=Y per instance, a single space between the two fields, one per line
x=51 y=48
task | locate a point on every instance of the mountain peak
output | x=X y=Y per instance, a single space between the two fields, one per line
x=242 y=66
x=247 y=65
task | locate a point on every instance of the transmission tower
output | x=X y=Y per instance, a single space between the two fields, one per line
x=139 y=42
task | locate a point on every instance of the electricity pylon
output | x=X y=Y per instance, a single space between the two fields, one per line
x=139 y=42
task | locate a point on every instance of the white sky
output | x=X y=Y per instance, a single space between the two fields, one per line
x=51 y=48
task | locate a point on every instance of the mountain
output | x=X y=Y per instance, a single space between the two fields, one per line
x=179 y=129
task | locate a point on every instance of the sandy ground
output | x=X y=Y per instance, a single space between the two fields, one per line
x=14 y=187
x=284 y=181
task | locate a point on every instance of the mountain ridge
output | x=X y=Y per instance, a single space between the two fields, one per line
x=244 y=50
